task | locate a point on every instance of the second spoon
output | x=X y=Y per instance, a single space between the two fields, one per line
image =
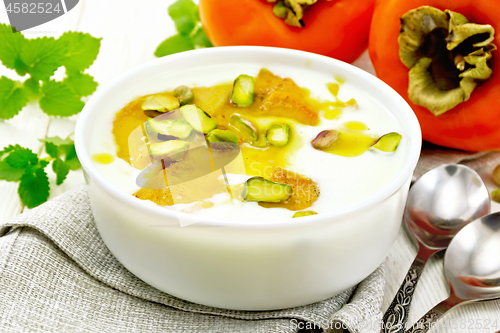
x=439 y=204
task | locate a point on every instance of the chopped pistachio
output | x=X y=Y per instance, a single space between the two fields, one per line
x=160 y=102
x=243 y=89
x=170 y=151
x=153 y=113
x=163 y=129
x=184 y=94
x=388 y=142
x=496 y=175
x=263 y=190
x=244 y=127
x=278 y=135
x=219 y=135
x=197 y=118
x=495 y=195
x=223 y=146
x=304 y=213
x=447 y=56
x=325 y=139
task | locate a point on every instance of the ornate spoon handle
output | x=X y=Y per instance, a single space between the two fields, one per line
x=430 y=319
x=396 y=315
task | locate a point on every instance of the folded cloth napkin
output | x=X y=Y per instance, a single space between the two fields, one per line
x=56 y=275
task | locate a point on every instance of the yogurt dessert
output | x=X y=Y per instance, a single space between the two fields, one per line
x=250 y=257
x=268 y=144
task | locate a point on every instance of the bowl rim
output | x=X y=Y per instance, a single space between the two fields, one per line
x=390 y=188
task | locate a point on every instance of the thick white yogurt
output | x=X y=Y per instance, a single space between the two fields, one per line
x=343 y=181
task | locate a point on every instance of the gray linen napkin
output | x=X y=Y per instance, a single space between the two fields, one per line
x=57 y=275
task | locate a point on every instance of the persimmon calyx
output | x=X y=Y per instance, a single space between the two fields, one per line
x=292 y=11
x=447 y=56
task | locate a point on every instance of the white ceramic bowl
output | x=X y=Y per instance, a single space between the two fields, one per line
x=247 y=266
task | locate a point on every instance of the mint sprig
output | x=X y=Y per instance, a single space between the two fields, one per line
x=37 y=60
x=19 y=164
x=190 y=33
x=13 y=97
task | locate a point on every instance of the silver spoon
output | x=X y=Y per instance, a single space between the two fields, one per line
x=472 y=267
x=440 y=203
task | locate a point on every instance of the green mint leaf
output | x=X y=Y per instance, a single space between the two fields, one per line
x=174 y=44
x=42 y=56
x=51 y=149
x=34 y=187
x=13 y=97
x=200 y=38
x=9 y=173
x=81 y=50
x=20 y=157
x=7 y=150
x=59 y=100
x=82 y=84
x=61 y=169
x=14 y=160
x=32 y=87
x=184 y=13
x=186 y=17
x=42 y=164
x=58 y=148
x=57 y=140
x=11 y=48
x=184 y=8
x=72 y=160
x=184 y=25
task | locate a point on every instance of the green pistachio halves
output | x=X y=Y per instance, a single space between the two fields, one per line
x=263 y=190
x=304 y=213
x=245 y=127
x=388 y=142
x=184 y=94
x=160 y=102
x=325 y=139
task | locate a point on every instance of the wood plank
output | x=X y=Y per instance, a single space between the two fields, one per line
x=131 y=32
x=31 y=124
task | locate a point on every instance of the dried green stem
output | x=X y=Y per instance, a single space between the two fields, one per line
x=447 y=56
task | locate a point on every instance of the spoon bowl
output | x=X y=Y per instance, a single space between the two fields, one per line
x=472 y=267
x=442 y=202
x=439 y=204
x=472 y=263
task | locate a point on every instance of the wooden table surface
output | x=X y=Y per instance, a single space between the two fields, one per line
x=131 y=31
